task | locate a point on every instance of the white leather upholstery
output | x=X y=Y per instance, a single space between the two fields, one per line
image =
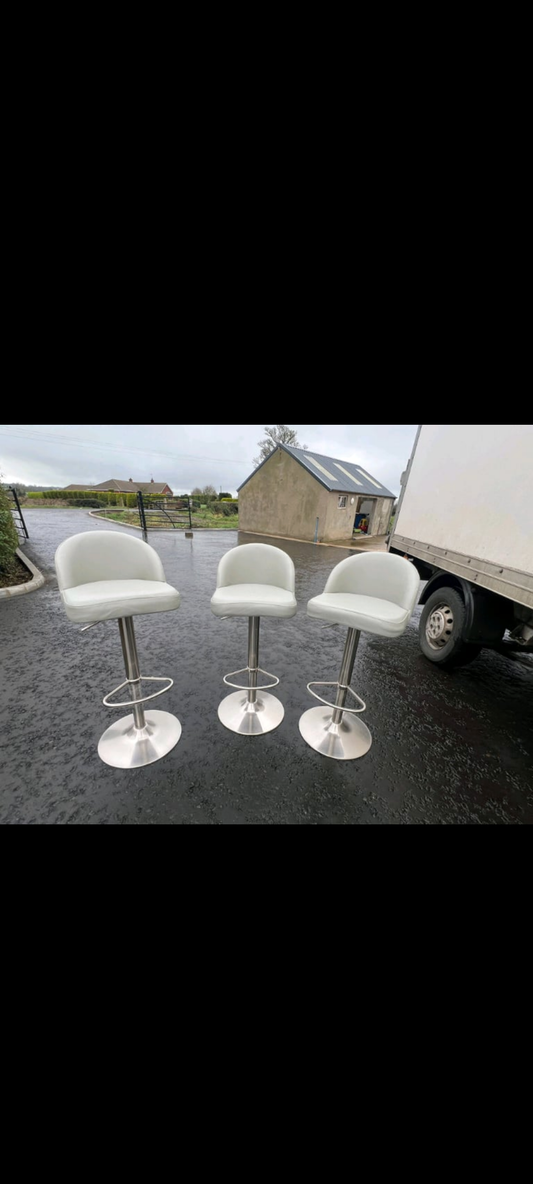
x=253 y=600
x=360 y=612
x=255 y=580
x=375 y=593
x=104 y=600
x=105 y=555
x=103 y=574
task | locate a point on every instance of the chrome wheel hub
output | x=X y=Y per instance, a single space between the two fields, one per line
x=439 y=626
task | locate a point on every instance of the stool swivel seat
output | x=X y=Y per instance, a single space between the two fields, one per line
x=254 y=580
x=373 y=593
x=105 y=575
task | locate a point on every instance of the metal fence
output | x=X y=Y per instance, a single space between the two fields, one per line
x=156 y=513
x=16 y=511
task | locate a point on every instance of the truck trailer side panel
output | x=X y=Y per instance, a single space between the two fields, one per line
x=468 y=505
x=470 y=490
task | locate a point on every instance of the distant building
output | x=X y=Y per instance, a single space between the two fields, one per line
x=116 y=486
x=293 y=488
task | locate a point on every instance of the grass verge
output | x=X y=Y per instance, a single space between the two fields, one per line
x=201 y=520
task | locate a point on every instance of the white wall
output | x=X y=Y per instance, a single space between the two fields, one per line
x=470 y=489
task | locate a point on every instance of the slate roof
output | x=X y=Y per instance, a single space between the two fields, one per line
x=132 y=486
x=342 y=476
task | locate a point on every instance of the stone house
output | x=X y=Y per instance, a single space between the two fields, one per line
x=299 y=494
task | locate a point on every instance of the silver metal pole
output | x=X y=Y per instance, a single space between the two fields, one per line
x=131 y=662
x=253 y=656
x=348 y=659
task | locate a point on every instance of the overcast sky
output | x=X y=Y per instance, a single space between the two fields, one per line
x=186 y=455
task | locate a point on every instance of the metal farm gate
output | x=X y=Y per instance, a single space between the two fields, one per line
x=160 y=513
x=16 y=511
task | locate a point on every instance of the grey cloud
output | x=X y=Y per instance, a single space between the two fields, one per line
x=185 y=455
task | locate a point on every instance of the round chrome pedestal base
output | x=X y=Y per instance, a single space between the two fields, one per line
x=344 y=742
x=251 y=719
x=126 y=747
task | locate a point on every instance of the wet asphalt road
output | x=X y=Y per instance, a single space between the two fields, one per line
x=447 y=747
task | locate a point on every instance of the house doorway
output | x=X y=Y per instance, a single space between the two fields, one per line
x=365 y=515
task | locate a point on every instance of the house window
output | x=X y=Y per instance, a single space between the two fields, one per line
x=342 y=503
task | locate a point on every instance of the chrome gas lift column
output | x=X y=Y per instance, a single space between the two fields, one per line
x=337 y=732
x=143 y=737
x=255 y=712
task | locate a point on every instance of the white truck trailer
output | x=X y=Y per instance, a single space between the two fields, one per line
x=465 y=518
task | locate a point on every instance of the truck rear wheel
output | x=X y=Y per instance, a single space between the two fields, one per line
x=441 y=627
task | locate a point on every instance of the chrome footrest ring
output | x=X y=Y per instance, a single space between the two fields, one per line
x=131 y=702
x=246 y=670
x=351 y=710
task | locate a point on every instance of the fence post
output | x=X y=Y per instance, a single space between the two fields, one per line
x=142 y=516
x=316 y=531
x=190 y=515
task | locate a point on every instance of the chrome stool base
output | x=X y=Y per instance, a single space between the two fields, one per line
x=251 y=711
x=145 y=736
x=343 y=741
x=251 y=719
x=334 y=730
x=124 y=746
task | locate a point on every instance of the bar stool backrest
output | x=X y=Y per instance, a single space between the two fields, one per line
x=105 y=555
x=256 y=563
x=385 y=576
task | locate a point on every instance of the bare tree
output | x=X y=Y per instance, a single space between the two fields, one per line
x=207 y=491
x=280 y=434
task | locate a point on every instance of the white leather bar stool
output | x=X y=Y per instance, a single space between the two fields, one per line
x=254 y=581
x=105 y=575
x=373 y=593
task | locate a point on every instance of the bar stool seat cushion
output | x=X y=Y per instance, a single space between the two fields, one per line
x=367 y=613
x=253 y=600
x=106 y=600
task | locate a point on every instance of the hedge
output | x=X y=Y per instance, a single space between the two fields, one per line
x=80 y=495
x=9 y=539
x=85 y=502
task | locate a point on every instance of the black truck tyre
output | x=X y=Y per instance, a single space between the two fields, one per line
x=441 y=627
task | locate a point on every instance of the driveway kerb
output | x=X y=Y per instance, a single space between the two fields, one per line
x=31 y=586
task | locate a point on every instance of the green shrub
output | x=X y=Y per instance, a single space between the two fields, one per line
x=224 y=508
x=9 y=540
x=84 y=501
